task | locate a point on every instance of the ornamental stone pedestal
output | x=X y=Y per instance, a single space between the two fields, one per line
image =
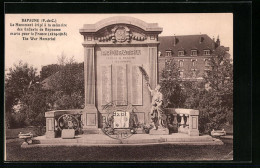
x=114 y=48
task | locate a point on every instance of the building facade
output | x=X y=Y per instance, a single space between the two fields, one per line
x=191 y=54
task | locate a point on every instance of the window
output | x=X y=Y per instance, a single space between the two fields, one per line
x=180 y=63
x=167 y=63
x=193 y=73
x=181 y=74
x=206 y=52
x=152 y=37
x=89 y=38
x=180 y=53
x=193 y=52
x=168 y=53
x=193 y=63
x=207 y=62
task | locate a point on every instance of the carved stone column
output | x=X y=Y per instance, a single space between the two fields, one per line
x=90 y=115
x=152 y=50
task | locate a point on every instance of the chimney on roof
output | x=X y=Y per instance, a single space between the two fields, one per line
x=218 y=41
x=213 y=43
x=201 y=39
x=174 y=40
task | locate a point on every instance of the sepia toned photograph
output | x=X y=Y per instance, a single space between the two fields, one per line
x=118 y=87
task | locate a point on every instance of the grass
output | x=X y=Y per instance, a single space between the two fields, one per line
x=14 y=152
x=13 y=133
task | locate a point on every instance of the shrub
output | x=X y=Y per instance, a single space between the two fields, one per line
x=17 y=120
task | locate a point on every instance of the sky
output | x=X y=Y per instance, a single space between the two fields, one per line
x=41 y=53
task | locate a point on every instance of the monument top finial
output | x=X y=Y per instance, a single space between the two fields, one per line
x=88 y=28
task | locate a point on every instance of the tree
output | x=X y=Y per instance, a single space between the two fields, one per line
x=18 y=81
x=171 y=86
x=69 y=78
x=220 y=76
x=216 y=104
x=68 y=84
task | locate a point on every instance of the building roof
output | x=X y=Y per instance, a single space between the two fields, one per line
x=46 y=83
x=187 y=43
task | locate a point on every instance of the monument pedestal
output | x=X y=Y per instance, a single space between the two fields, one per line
x=90 y=118
x=160 y=131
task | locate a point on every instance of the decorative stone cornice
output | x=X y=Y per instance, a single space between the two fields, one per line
x=153 y=44
x=149 y=27
x=89 y=44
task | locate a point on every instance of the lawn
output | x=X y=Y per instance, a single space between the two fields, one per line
x=162 y=152
x=13 y=133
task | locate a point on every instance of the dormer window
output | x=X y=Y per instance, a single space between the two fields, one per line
x=168 y=53
x=180 y=53
x=193 y=52
x=206 y=52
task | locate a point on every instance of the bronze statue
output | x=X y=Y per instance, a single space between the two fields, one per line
x=158 y=116
x=157 y=112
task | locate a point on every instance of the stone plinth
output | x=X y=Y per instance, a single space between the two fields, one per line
x=162 y=131
x=68 y=134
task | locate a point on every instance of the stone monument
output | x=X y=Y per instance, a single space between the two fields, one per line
x=114 y=48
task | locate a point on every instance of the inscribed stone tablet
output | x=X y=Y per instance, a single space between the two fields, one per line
x=121 y=85
x=106 y=84
x=137 y=86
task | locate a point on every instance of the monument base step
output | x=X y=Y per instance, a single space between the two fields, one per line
x=135 y=139
x=163 y=131
x=92 y=131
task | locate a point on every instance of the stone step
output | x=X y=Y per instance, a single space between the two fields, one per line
x=102 y=140
x=92 y=131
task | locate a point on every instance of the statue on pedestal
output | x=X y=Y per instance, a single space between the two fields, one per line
x=158 y=117
x=157 y=112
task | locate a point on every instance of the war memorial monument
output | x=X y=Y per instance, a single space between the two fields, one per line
x=122 y=92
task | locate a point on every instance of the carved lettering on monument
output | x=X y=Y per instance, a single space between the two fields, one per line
x=117 y=52
x=106 y=84
x=121 y=85
x=136 y=86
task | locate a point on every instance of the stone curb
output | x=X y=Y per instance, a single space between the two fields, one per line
x=117 y=145
x=124 y=142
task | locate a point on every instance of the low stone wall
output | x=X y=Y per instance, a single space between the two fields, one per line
x=188 y=120
x=51 y=120
x=184 y=120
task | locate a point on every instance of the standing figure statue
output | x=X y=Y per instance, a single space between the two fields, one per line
x=157 y=112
